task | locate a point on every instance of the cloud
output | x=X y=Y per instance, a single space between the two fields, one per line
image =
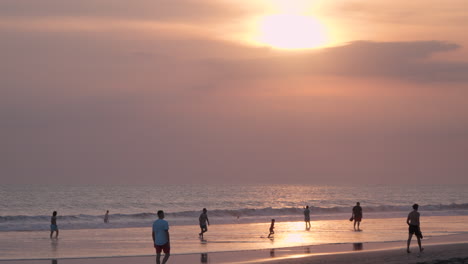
x=186 y=11
x=161 y=104
x=101 y=107
x=409 y=61
x=404 y=13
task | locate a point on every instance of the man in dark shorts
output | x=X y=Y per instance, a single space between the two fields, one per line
x=357 y=216
x=414 y=228
x=203 y=219
x=161 y=238
x=53 y=225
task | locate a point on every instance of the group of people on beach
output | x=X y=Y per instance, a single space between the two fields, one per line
x=161 y=240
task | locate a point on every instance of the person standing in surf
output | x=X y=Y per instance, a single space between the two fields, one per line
x=161 y=238
x=106 y=217
x=307 y=217
x=53 y=225
x=203 y=219
x=414 y=228
x=357 y=216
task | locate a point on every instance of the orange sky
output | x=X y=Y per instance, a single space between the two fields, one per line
x=189 y=91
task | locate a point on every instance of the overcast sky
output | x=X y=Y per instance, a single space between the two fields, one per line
x=185 y=91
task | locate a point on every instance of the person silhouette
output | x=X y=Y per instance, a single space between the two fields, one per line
x=106 y=217
x=161 y=239
x=203 y=220
x=53 y=225
x=357 y=216
x=307 y=217
x=272 y=228
x=414 y=228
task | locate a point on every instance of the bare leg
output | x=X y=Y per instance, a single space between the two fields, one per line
x=354 y=225
x=56 y=234
x=158 y=258
x=358 y=224
x=203 y=230
x=419 y=244
x=166 y=257
x=409 y=242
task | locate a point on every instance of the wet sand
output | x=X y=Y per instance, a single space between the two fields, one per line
x=445 y=249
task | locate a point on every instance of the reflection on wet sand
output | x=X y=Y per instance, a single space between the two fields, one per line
x=358 y=246
x=204 y=258
x=54 y=244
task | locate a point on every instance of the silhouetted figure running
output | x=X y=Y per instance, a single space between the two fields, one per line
x=53 y=225
x=414 y=228
x=357 y=216
x=203 y=219
x=161 y=238
x=272 y=228
x=106 y=217
x=307 y=217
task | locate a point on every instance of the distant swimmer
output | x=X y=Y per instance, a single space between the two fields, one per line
x=357 y=216
x=307 y=217
x=161 y=239
x=414 y=228
x=203 y=219
x=53 y=225
x=106 y=217
x=272 y=228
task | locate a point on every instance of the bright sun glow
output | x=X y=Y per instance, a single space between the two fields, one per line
x=291 y=32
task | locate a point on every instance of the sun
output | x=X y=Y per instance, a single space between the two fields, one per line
x=285 y=31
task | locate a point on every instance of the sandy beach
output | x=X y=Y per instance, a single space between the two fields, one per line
x=448 y=253
x=445 y=249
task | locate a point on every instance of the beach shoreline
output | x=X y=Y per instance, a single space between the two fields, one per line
x=448 y=249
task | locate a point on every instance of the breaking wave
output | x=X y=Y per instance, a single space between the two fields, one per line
x=223 y=216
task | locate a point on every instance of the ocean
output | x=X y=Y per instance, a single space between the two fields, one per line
x=239 y=215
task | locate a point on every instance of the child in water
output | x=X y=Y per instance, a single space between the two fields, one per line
x=272 y=228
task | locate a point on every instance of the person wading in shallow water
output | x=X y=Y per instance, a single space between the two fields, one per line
x=203 y=219
x=307 y=217
x=357 y=216
x=106 y=217
x=414 y=228
x=53 y=225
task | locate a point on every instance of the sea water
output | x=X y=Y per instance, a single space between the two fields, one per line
x=239 y=215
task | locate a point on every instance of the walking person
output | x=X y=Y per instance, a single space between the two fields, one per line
x=53 y=225
x=203 y=219
x=357 y=216
x=307 y=217
x=161 y=239
x=414 y=228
